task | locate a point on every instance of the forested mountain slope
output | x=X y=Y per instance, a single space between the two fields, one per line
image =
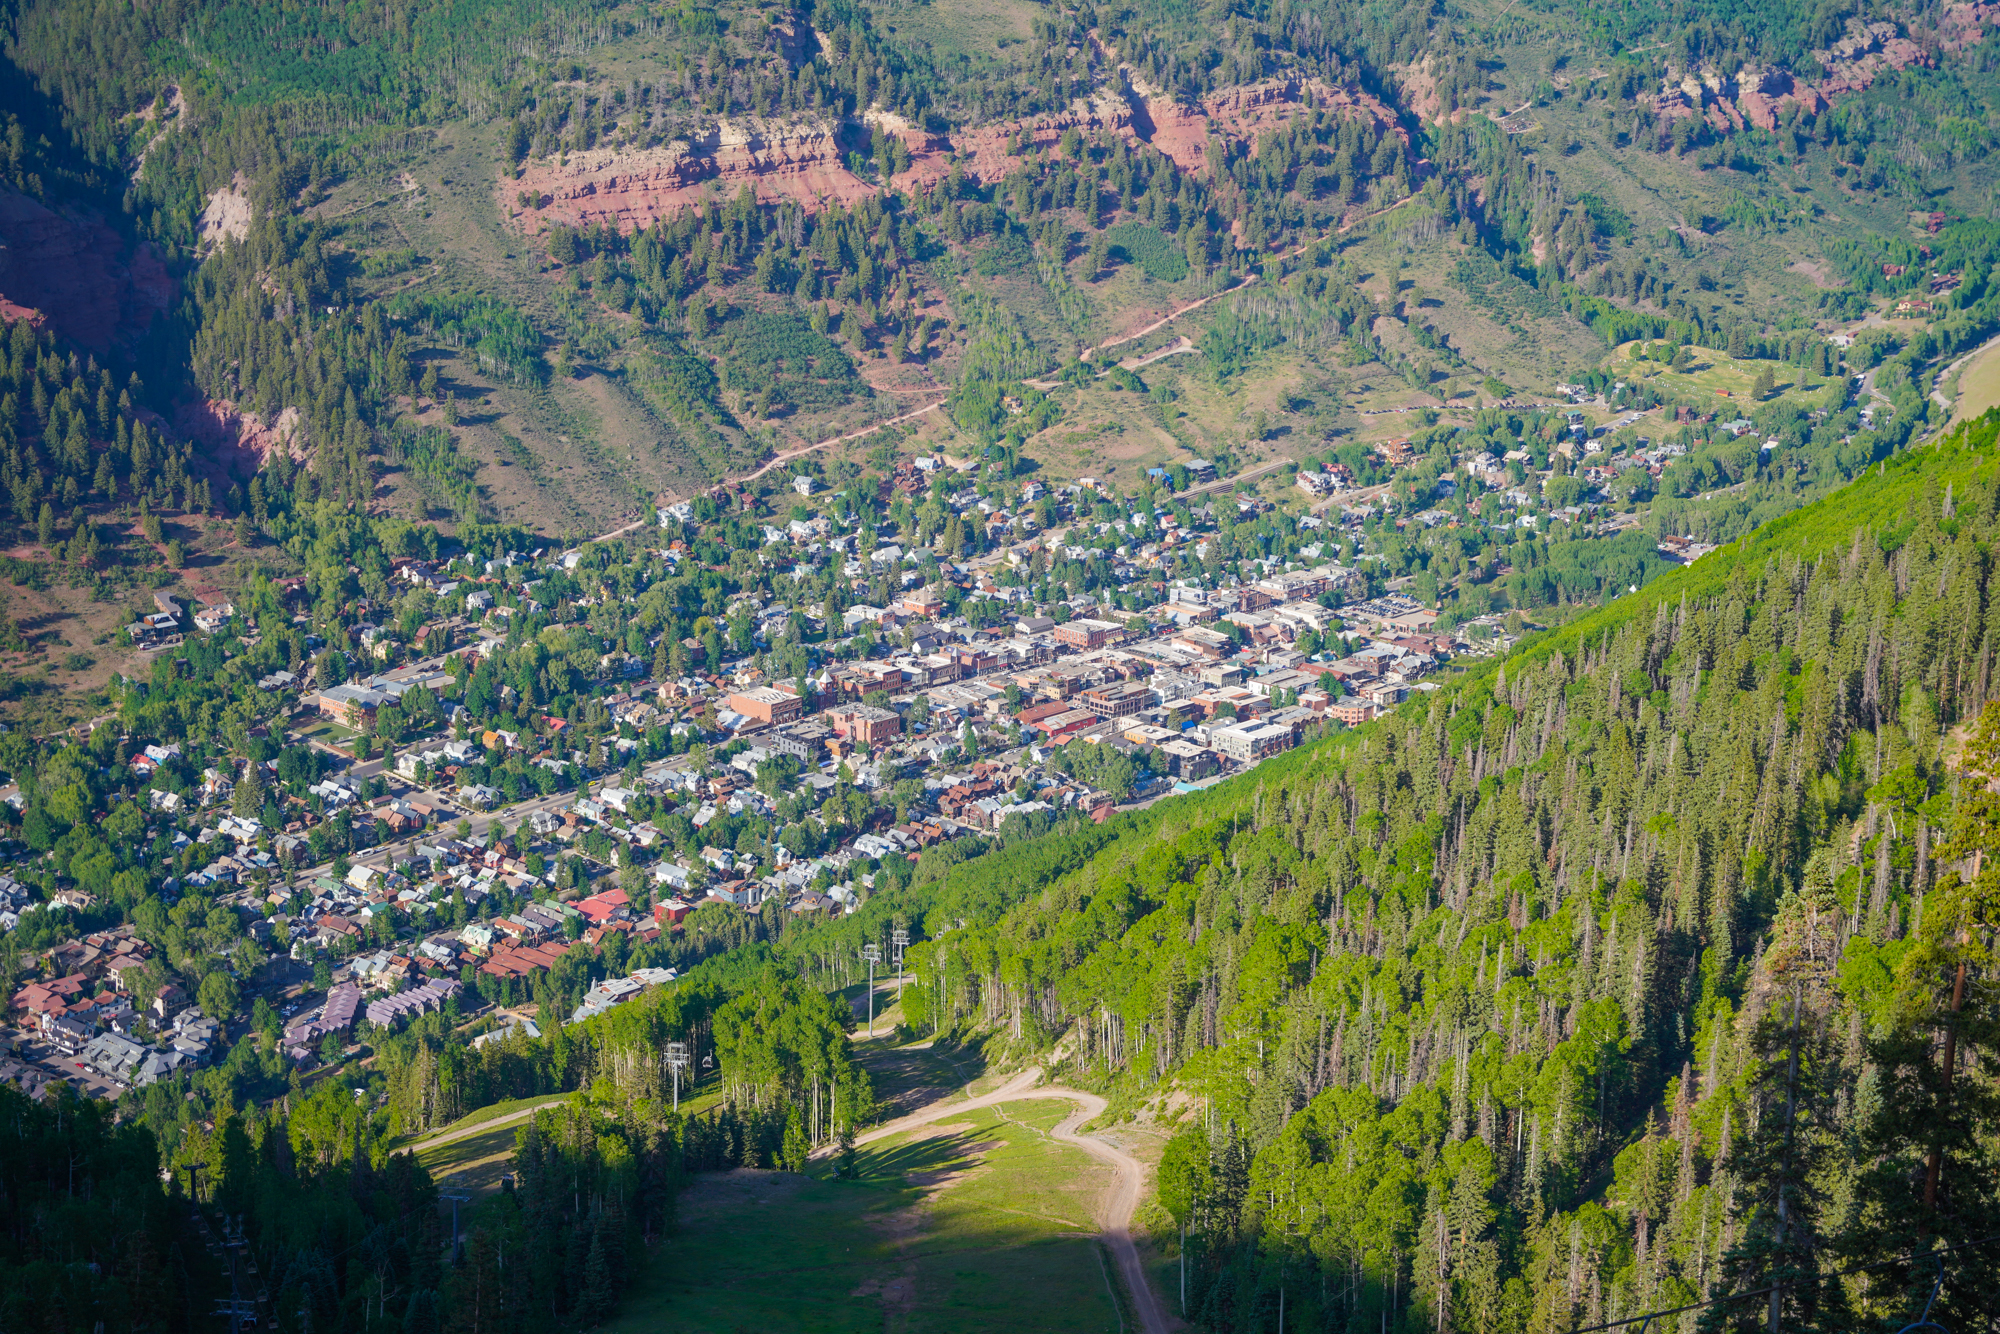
x=645 y=247
x=1534 y=1004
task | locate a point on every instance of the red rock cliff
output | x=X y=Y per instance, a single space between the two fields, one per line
x=805 y=161
x=77 y=274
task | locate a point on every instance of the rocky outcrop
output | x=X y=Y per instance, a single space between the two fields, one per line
x=1179 y=131
x=805 y=161
x=226 y=215
x=632 y=188
x=77 y=274
x=1757 y=95
x=236 y=443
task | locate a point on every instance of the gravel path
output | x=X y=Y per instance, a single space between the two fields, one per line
x=1129 y=1175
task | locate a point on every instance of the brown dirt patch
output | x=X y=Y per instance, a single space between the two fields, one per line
x=941 y=1130
x=898 y=1292
x=900 y=1224
x=719 y=1192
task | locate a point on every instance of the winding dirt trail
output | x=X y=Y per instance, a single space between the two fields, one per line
x=1183 y=345
x=803 y=450
x=1119 y=1203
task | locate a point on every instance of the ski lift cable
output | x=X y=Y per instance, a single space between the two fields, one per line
x=1923 y=1322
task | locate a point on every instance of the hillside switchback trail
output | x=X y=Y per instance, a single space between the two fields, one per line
x=1116 y=1209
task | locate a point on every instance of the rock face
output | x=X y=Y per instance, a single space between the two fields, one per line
x=74 y=273
x=805 y=161
x=1756 y=95
x=1180 y=132
x=235 y=443
x=226 y=215
x=632 y=188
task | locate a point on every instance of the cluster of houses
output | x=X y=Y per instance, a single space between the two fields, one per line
x=949 y=727
x=15 y=899
x=84 y=1012
x=166 y=626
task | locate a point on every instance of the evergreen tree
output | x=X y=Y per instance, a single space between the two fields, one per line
x=795 y=1147
x=1932 y=1179
x=1781 y=1169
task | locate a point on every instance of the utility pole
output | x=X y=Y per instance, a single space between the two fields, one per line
x=677 y=1059
x=873 y=954
x=900 y=938
x=234 y=1306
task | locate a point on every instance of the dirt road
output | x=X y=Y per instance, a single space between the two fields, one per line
x=1248 y=279
x=453 y=1134
x=801 y=452
x=1128 y=1179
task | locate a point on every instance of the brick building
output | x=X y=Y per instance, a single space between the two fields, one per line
x=766 y=705
x=1121 y=699
x=1085 y=633
x=864 y=724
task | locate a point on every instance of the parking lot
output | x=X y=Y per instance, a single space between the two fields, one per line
x=29 y=1049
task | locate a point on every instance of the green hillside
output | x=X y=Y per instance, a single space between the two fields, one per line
x=1526 y=209
x=1647 y=965
x=1524 y=959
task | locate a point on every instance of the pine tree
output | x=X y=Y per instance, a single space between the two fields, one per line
x=1781 y=1165
x=599 y=1297
x=795 y=1148
x=1932 y=1180
x=247 y=801
x=844 y=1139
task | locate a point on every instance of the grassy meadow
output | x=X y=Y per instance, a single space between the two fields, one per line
x=977 y=1222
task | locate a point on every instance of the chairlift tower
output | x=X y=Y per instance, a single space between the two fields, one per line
x=873 y=954
x=677 y=1061
x=457 y=1197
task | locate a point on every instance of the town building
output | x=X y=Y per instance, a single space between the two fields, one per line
x=864 y=724
x=766 y=705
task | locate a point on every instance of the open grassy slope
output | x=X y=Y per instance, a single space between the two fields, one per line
x=975 y=1223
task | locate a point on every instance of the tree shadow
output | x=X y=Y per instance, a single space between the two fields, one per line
x=909 y=1077
x=932 y=1154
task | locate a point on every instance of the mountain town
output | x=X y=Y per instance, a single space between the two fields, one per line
x=852 y=665
x=406 y=831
